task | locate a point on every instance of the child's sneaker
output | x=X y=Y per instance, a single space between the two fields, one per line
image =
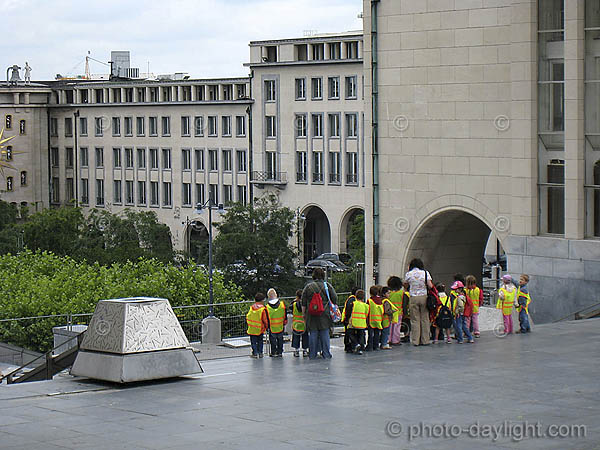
x=434 y=341
x=260 y=355
x=296 y=353
x=386 y=347
x=254 y=356
x=460 y=342
x=476 y=335
x=471 y=341
x=448 y=341
x=304 y=353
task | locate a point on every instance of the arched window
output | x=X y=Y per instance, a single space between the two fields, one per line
x=8 y=122
x=8 y=153
x=9 y=183
x=24 y=178
x=22 y=127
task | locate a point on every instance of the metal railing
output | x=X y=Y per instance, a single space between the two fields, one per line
x=17 y=331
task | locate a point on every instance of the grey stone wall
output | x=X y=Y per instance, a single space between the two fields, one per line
x=564 y=273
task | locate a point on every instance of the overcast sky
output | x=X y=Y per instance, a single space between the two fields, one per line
x=206 y=38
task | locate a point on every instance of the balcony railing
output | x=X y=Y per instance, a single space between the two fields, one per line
x=334 y=178
x=352 y=178
x=301 y=177
x=268 y=177
x=317 y=177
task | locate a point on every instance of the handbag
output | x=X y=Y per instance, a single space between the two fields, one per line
x=431 y=303
x=334 y=310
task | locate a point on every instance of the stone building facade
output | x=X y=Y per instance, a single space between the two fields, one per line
x=484 y=118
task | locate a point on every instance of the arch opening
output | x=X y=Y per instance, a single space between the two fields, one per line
x=197 y=241
x=453 y=242
x=316 y=234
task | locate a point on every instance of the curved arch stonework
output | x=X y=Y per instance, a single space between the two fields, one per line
x=343 y=224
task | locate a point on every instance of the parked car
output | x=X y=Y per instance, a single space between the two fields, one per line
x=323 y=264
x=344 y=258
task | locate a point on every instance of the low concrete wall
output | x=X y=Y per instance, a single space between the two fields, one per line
x=564 y=273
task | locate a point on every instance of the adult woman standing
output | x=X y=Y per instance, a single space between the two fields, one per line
x=419 y=315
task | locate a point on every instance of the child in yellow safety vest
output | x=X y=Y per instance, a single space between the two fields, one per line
x=375 y=318
x=299 y=326
x=444 y=316
x=348 y=348
x=257 y=321
x=389 y=312
x=396 y=298
x=277 y=321
x=522 y=304
x=475 y=295
x=506 y=299
x=355 y=313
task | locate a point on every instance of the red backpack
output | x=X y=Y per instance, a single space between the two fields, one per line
x=315 y=307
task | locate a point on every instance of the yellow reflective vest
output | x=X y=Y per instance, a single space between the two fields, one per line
x=509 y=300
x=352 y=297
x=358 y=318
x=396 y=297
x=276 y=317
x=254 y=321
x=386 y=320
x=474 y=294
x=298 y=323
x=375 y=315
x=527 y=301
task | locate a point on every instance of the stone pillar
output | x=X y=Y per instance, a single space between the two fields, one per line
x=574 y=120
x=26 y=98
x=211 y=330
x=193 y=93
x=16 y=98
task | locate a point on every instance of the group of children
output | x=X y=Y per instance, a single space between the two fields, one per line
x=385 y=315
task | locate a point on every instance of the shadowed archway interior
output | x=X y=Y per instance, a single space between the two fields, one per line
x=317 y=233
x=451 y=242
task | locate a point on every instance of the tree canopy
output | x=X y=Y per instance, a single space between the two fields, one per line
x=253 y=246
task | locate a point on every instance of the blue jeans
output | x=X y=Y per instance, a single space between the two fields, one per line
x=296 y=338
x=276 y=343
x=374 y=335
x=257 y=344
x=318 y=341
x=385 y=336
x=460 y=327
x=524 y=321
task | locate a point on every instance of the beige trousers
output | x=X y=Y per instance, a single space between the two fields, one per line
x=419 y=320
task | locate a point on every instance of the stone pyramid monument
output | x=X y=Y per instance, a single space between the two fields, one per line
x=134 y=339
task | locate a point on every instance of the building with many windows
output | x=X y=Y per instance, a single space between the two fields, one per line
x=484 y=118
x=462 y=129
x=308 y=132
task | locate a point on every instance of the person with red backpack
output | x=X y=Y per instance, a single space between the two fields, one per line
x=317 y=296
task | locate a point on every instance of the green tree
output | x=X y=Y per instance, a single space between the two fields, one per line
x=253 y=246
x=9 y=232
x=54 y=229
x=356 y=238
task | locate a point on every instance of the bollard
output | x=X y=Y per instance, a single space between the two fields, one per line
x=211 y=330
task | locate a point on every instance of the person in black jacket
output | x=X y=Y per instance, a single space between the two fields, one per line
x=347 y=312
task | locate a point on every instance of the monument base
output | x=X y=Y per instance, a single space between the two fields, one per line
x=132 y=367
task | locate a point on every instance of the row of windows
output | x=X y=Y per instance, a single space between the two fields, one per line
x=318 y=169
x=315 y=51
x=157 y=158
x=8 y=124
x=316 y=88
x=333 y=122
x=143 y=94
x=129 y=192
x=188 y=125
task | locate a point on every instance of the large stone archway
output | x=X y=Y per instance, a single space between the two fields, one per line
x=317 y=233
x=346 y=225
x=197 y=241
x=450 y=241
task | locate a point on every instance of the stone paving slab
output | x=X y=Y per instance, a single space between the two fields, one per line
x=549 y=376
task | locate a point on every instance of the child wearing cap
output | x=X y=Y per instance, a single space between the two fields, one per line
x=475 y=294
x=460 y=303
x=277 y=321
x=257 y=321
x=506 y=299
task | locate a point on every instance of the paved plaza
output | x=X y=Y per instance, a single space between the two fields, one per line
x=544 y=382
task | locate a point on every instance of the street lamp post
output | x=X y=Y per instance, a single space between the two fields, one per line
x=209 y=204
